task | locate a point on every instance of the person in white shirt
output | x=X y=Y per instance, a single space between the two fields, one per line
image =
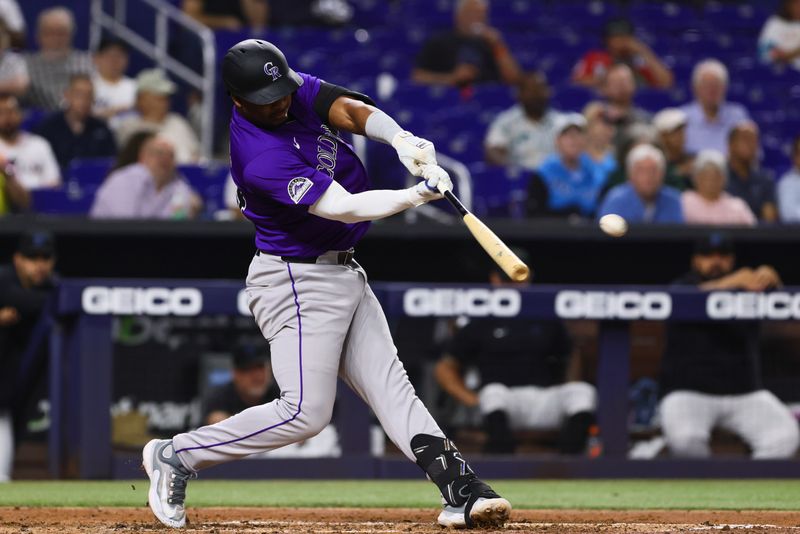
x=35 y=165
x=153 y=91
x=779 y=41
x=521 y=136
x=114 y=93
x=709 y=117
x=12 y=16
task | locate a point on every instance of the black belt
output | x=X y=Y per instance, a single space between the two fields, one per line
x=333 y=257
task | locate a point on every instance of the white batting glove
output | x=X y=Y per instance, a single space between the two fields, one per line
x=414 y=152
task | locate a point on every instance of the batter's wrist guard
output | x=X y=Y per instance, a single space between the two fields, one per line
x=445 y=467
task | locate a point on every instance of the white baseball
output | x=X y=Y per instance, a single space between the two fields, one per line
x=613 y=225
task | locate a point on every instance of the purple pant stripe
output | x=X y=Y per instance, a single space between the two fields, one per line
x=300 y=358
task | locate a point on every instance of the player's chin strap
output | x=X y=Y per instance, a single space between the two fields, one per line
x=446 y=468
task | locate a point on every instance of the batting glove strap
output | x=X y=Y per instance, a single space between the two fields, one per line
x=414 y=152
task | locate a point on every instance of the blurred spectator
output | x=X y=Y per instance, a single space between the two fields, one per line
x=622 y=47
x=13 y=70
x=568 y=182
x=745 y=179
x=11 y=14
x=153 y=91
x=471 y=52
x=56 y=61
x=149 y=189
x=252 y=385
x=129 y=152
x=537 y=386
x=710 y=117
x=789 y=188
x=619 y=88
x=114 y=93
x=644 y=198
x=599 y=134
x=521 y=136
x=709 y=203
x=13 y=196
x=31 y=157
x=24 y=288
x=671 y=126
x=232 y=15
x=779 y=41
x=74 y=133
x=640 y=134
x=710 y=372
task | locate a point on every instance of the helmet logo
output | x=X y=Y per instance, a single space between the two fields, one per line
x=272 y=70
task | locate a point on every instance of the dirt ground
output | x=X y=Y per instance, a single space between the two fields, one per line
x=384 y=521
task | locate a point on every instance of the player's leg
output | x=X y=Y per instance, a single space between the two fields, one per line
x=306 y=340
x=687 y=418
x=371 y=367
x=568 y=408
x=499 y=417
x=764 y=422
x=6 y=445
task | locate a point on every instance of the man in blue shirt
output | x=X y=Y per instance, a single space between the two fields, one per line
x=569 y=181
x=644 y=198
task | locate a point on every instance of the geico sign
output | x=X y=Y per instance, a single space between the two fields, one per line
x=476 y=302
x=778 y=305
x=613 y=305
x=183 y=301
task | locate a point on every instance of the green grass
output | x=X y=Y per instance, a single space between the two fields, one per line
x=597 y=494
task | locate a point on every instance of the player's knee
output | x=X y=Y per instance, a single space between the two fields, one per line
x=781 y=442
x=580 y=397
x=494 y=397
x=686 y=442
x=313 y=418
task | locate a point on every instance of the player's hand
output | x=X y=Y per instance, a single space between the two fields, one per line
x=8 y=316
x=436 y=182
x=767 y=277
x=414 y=152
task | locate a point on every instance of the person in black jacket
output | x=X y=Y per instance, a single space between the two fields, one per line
x=25 y=286
x=74 y=133
x=711 y=374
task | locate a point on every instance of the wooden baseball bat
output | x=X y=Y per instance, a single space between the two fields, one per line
x=514 y=267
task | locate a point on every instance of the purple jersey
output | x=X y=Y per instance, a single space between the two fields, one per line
x=281 y=172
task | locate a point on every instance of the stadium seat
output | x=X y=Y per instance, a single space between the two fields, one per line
x=86 y=175
x=209 y=182
x=497 y=193
x=67 y=201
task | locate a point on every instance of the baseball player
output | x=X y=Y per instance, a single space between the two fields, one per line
x=306 y=192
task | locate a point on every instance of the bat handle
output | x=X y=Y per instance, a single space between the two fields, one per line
x=453 y=199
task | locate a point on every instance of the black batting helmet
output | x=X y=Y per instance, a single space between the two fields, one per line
x=256 y=71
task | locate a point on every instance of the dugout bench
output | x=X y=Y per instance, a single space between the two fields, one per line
x=81 y=362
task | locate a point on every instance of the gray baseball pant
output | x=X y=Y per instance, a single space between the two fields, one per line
x=322 y=321
x=759 y=418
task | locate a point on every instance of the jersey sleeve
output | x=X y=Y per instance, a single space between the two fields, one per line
x=286 y=178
